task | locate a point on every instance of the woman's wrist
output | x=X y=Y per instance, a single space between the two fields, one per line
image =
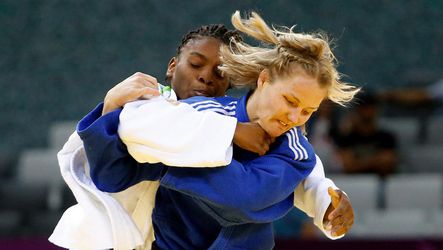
x=109 y=105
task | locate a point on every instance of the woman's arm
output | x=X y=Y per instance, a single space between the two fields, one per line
x=175 y=134
x=254 y=191
x=117 y=170
x=146 y=142
x=112 y=169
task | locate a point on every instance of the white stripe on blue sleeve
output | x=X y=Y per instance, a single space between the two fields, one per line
x=213 y=106
x=295 y=146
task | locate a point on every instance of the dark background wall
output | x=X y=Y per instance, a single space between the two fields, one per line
x=58 y=58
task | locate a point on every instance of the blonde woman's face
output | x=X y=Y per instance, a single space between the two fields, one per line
x=287 y=102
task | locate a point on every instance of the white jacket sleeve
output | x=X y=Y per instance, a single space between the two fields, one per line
x=174 y=133
x=312 y=197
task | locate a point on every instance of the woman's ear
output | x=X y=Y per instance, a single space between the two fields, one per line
x=171 y=68
x=263 y=78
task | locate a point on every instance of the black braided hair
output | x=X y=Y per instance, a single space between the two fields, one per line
x=217 y=31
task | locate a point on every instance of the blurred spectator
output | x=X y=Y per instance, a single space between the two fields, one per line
x=364 y=147
x=415 y=96
x=322 y=132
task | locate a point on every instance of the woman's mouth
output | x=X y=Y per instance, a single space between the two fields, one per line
x=283 y=123
x=201 y=93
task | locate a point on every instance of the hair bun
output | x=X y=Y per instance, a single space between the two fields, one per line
x=314 y=48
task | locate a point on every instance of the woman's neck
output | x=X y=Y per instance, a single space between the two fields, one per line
x=252 y=107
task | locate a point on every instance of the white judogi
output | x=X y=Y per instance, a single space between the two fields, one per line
x=101 y=220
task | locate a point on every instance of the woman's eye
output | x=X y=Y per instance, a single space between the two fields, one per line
x=194 y=65
x=290 y=102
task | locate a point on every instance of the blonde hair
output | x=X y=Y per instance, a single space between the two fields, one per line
x=242 y=63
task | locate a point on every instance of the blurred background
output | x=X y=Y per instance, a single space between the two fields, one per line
x=59 y=58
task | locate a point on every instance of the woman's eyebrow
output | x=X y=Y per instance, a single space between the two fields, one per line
x=297 y=100
x=195 y=53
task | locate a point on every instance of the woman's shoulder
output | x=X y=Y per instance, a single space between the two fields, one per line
x=298 y=144
x=203 y=100
x=224 y=105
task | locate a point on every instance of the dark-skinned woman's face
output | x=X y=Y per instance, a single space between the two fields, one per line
x=195 y=71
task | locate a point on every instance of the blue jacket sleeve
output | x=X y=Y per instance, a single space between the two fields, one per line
x=112 y=169
x=256 y=191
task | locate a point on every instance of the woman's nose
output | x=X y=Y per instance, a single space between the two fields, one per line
x=205 y=77
x=294 y=115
